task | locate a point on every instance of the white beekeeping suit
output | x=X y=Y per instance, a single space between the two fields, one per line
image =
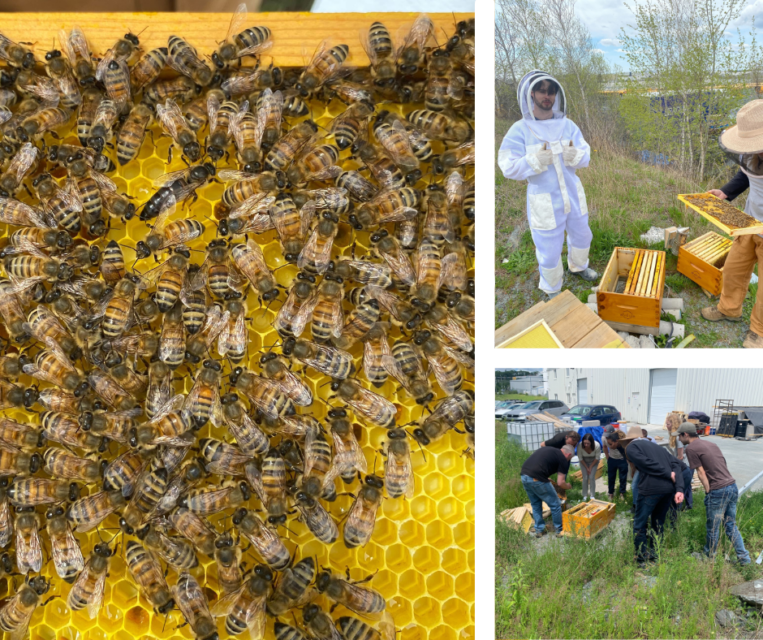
x=539 y=151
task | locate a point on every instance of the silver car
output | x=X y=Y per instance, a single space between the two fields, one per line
x=506 y=407
x=554 y=407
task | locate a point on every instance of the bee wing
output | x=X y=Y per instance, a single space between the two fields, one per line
x=369 y=397
x=453 y=271
x=45 y=89
x=238 y=333
x=59 y=354
x=162 y=218
x=100 y=70
x=440 y=375
x=168 y=116
x=306 y=213
x=256 y=618
x=237 y=21
x=293 y=387
x=69 y=195
x=170 y=177
x=152 y=275
x=216 y=325
x=5 y=114
x=224 y=605
x=311 y=434
x=190 y=599
x=6 y=523
x=322 y=255
x=22 y=622
x=402 y=466
x=66 y=553
x=401 y=265
x=365 y=41
x=233 y=174
x=213 y=106
x=273 y=386
x=23 y=161
x=104 y=182
x=359 y=517
x=392 y=367
x=175 y=403
x=304 y=314
x=457 y=335
x=234 y=126
x=28 y=552
x=94 y=606
x=65 y=44
x=255 y=204
x=459 y=356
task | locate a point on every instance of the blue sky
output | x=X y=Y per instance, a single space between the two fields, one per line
x=605 y=18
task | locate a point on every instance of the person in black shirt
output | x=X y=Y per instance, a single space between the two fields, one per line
x=535 y=475
x=560 y=439
x=660 y=483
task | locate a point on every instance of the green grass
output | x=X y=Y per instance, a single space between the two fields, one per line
x=517 y=396
x=539 y=587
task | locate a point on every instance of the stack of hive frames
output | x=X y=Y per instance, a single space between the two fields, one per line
x=702 y=260
x=639 y=304
x=423 y=549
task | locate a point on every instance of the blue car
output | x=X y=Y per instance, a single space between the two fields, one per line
x=604 y=413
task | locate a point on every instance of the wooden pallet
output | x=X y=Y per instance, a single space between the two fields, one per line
x=295 y=34
x=755 y=225
x=702 y=260
x=572 y=322
x=640 y=303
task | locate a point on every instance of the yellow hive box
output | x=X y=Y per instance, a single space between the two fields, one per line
x=702 y=261
x=587 y=519
x=423 y=548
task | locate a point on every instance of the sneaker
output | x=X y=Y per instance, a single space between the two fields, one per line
x=589 y=275
x=753 y=341
x=712 y=314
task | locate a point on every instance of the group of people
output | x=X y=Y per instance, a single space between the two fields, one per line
x=547 y=149
x=661 y=483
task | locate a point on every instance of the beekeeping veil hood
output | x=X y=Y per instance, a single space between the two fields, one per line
x=546 y=130
x=743 y=142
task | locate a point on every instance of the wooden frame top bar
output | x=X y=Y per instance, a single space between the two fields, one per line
x=296 y=35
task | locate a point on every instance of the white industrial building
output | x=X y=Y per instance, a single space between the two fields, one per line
x=531 y=385
x=646 y=396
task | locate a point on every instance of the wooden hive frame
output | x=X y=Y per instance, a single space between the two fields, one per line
x=588 y=519
x=702 y=260
x=639 y=305
x=730 y=229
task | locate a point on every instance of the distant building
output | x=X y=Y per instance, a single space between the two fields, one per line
x=531 y=385
x=646 y=396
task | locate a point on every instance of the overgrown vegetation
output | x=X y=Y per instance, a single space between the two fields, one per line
x=551 y=588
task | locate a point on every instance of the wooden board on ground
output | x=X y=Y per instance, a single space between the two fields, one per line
x=710 y=202
x=547 y=417
x=296 y=35
x=571 y=321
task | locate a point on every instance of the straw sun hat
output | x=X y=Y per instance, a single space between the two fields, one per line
x=746 y=136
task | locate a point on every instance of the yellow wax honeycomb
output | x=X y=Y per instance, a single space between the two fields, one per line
x=422 y=549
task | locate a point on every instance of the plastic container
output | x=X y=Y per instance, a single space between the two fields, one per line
x=530 y=435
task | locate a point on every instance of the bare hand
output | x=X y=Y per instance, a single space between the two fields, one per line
x=673 y=476
x=718 y=194
x=679 y=497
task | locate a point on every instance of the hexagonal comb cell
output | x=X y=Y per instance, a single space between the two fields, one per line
x=421 y=549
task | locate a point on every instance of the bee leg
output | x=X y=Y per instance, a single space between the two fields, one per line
x=53 y=134
x=28 y=191
x=169 y=155
x=366 y=579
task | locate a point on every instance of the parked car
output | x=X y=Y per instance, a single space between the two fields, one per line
x=604 y=413
x=504 y=407
x=554 y=407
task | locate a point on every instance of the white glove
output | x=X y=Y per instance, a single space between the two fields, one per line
x=540 y=160
x=571 y=156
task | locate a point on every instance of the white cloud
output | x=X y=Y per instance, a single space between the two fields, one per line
x=621 y=51
x=597 y=51
x=609 y=42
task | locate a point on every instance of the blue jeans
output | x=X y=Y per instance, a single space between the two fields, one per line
x=650 y=510
x=721 y=506
x=613 y=466
x=540 y=492
x=634 y=487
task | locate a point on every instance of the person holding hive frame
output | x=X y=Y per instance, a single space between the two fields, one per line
x=743 y=143
x=546 y=148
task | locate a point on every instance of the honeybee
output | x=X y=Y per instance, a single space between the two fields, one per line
x=131 y=381
x=175 y=125
x=12 y=312
x=23 y=215
x=326 y=310
x=351 y=123
x=184 y=59
x=292 y=225
x=220 y=115
x=18 y=610
x=148 y=493
x=405 y=366
x=358 y=599
x=287 y=632
x=62 y=464
x=324 y=67
x=88 y=588
x=319 y=624
x=283 y=152
x=335 y=199
x=176 y=552
x=446 y=415
x=22 y=163
x=362 y=516
x=133 y=132
x=28 y=547
x=317 y=519
x=398 y=471
x=316 y=254
x=37 y=266
x=388 y=206
x=381 y=53
x=194 y=528
x=375 y=347
x=181 y=89
x=411 y=56
x=245 y=608
x=445 y=363
x=163 y=236
x=440 y=125
x=169 y=426
x=19 y=436
x=273 y=486
x=253 y=81
x=454 y=269
x=112 y=265
x=184 y=479
x=348 y=455
x=172 y=343
x=148 y=68
x=203 y=401
x=232 y=341
x=207 y=501
x=428 y=274
x=53 y=366
x=300 y=292
x=65 y=550
x=290 y=384
x=119 y=311
x=228 y=558
x=30 y=492
x=148 y=575
x=293 y=104
x=16 y=55
x=88 y=512
x=65 y=429
x=459 y=156
x=359 y=322
x=315 y=162
x=388 y=248
x=249 y=437
x=395 y=141
x=215 y=323
x=60 y=72
x=293 y=589
x=239 y=43
x=355 y=629
x=194 y=311
x=438 y=319
x=250 y=261
x=63 y=205
x=265 y=541
x=354 y=183
x=364 y=272
x=370 y=405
